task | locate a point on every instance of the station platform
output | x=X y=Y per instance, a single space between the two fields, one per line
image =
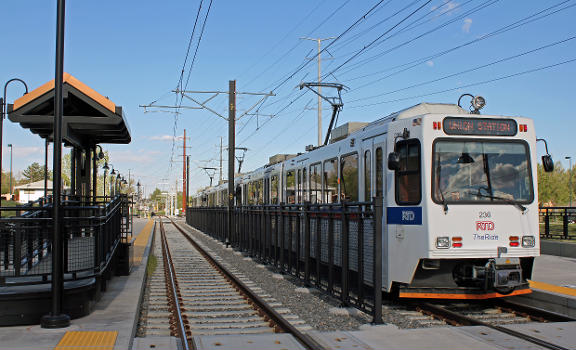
x=113 y=324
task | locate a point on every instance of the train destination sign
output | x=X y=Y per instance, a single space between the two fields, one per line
x=480 y=126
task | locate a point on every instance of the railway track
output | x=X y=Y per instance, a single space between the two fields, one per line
x=199 y=296
x=495 y=315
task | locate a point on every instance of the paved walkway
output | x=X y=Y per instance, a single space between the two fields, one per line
x=112 y=323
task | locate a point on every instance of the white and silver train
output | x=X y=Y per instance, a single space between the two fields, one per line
x=459 y=191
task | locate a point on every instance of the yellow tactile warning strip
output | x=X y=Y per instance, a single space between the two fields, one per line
x=141 y=241
x=553 y=288
x=86 y=340
x=88 y=91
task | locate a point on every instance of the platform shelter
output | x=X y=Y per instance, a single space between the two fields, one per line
x=96 y=228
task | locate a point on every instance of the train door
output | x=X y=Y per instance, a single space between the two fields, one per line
x=404 y=211
x=378 y=189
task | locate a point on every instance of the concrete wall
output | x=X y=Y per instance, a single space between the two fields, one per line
x=566 y=249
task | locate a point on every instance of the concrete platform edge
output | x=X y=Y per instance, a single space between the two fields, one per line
x=144 y=271
x=554 y=302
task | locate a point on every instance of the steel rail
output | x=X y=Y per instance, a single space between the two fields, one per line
x=279 y=320
x=532 y=311
x=176 y=310
x=468 y=321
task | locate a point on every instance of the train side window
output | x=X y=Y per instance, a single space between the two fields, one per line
x=304 y=186
x=330 y=183
x=274 y=190
x=290 y=187
x=299 y=186
x=260 y=192
x=367 y=176
x=349 y=178
x=315 y=183
x=408 y=182
x=251 y=194
x=379 y=172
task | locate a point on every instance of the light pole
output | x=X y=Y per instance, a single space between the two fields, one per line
x=10 y=145
x=112 y=189
x=570 y=174
x=3 y=106
x=105 y=167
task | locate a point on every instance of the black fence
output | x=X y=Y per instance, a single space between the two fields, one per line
x=335 y=247
x=558 y=222
x=92 y=231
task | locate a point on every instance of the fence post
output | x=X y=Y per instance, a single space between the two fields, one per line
x=307 y=244
x=547 y=223
x=298 y=242
x=282 y=236
x=565 y=222
x=331 y=252
x=377 y=220
x=344 y=255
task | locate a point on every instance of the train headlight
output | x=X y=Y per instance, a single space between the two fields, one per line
x=443 y=242
x=478 y=102
x=528 y=241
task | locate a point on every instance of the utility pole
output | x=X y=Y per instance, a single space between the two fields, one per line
x=319 y=42
x=184 y=177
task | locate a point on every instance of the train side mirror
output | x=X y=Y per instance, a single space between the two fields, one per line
x=394 y=161
x=547 y=163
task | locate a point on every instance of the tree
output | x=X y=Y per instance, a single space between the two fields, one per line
x=554 y=187
x=156 y=195
x=34 y=172
x=6 y=182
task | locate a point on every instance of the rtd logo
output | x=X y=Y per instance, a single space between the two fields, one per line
x=408 y=215
x=484 y=226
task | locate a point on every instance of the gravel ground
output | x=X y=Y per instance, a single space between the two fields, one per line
x=319 y=310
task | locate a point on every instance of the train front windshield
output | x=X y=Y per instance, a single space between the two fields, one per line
x=481 y=172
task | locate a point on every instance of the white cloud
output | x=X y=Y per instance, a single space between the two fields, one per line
x=450 y=5
x=141 y=156
x=430 y=63
x=467 y=24
x=165 y=138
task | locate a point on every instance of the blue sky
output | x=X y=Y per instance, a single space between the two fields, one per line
x=133 y=52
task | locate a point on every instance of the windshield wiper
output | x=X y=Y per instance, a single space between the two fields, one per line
x=506 y=200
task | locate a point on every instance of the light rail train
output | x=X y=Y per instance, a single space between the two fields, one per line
x=459 y=192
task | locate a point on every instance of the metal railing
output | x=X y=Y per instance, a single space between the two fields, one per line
x=334 y=247
x=557 y=222
x=91 y=234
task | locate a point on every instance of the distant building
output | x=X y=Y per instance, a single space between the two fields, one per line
x=32 y=191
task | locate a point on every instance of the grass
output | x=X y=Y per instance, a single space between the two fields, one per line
x=8 y=204
x=152 y=264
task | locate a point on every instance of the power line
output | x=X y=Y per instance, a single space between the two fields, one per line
x=380 y=36
x=473 y=84
x=362 y=62
x=302 y=66
x=198 y=45
x=468 y=70
x=414 y=63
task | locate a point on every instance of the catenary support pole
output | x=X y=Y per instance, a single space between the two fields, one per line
x=231 y=155
x=56 y=319
x=187 y=182
x=184 y=177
